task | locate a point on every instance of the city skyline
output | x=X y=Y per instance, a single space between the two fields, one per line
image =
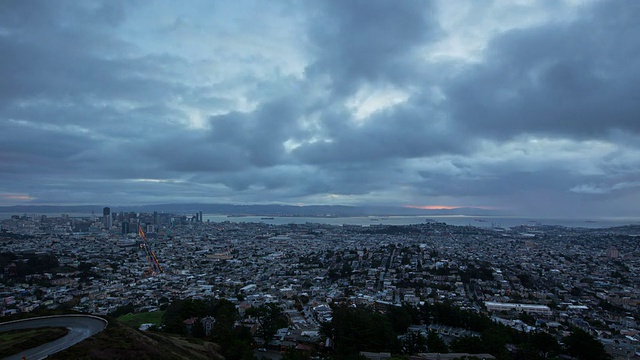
x=524 y=107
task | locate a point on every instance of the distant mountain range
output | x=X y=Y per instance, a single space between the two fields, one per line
x=260 y=210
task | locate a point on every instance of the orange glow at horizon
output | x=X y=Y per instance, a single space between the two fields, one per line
x=16 y=197
x=432 y=207
x=446 y=207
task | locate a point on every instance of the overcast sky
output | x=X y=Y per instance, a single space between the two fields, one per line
x=528 y=107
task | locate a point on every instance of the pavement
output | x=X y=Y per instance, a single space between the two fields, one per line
x=80 y=327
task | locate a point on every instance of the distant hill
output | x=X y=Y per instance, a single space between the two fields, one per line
x=229 y=209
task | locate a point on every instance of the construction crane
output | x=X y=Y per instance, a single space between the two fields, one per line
x=152 y=259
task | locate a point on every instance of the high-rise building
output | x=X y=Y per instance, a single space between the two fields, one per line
x=125 y=227
x=200 y=216
x=108 y=221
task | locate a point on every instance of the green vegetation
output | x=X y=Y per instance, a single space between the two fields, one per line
x=270 y=318
x=119 y=341
x=28 y=263
x=135 y=320
x=234 y=342
x=13 y=342
x=447 y=314
x=181 y=310
x=583 y=346
x=352 y=329
x=368 y=329
x=122 y=310
x=359 y=329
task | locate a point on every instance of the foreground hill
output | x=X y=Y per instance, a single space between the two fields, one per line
x=119 y=341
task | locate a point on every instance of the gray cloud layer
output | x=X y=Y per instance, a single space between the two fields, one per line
x=527 y=108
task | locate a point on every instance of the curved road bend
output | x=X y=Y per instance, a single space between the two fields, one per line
x=80 y=327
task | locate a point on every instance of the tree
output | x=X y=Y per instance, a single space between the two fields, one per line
x=293 y=354
x=359 y=329
x=172 y=318
x=544 y=344
x=270 y=318
x=346 y=269
x=436 y=344
x=413 y=342
x=527 y=319
x=401 y=318
x=235 y=343
x=468 y=344
x=583 y=346
x=180 y=310
x=198 y=330
x=122 y=310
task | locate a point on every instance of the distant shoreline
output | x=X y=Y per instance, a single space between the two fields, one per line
x=480 y=221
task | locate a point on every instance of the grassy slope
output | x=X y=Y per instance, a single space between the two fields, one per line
x=13 y=342
x=119 y=341
x=135 y=320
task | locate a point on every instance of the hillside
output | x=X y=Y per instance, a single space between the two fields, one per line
x=119 y=341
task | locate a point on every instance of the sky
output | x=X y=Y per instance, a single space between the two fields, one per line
x=523 y=107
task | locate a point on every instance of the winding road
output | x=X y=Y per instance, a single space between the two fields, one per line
x=80 y=327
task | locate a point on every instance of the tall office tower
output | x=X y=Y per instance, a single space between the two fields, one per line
x=108 y=221
x=200 y=214
x=125 y=227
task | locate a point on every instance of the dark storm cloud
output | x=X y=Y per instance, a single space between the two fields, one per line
x=193 y=153
x=43 y=51
x=67 y=52
x=27 y=148
x=497 y=183
x=375 y=44
x=68 y=96
x=260 y=134
x=368 y=40
x=59 y=74
x=579 y=79
x=402 y=132
x=355 y=102
x=291 y=182
x=234 y=142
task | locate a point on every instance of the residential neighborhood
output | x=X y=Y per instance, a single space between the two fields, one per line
x=531 y=278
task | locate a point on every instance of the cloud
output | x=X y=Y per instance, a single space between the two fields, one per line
x=368 y=41
x=572 y=79
x=514 y=105
x=603 y=189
